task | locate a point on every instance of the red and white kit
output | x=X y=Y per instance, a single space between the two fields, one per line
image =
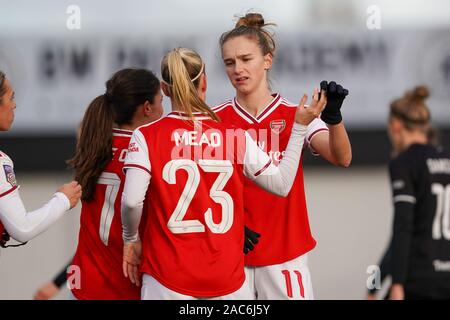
x=195 y=227
x=284 y=227
x=20 y=224
x=100 y=245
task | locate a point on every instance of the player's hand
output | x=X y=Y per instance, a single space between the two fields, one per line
x=251 y=238
x=336 y=95
x=305 y=115
x=72 y=190
x=46 y=292
x=397 y=292
x=371 y=296
x=132 y=252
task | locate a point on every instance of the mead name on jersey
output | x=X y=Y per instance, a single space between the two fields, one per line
x=211 y=143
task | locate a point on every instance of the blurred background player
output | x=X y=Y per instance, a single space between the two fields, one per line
x=132 y=98
x=278 y=267
x=418 y=258
x=15 y=221
x=189 y=169
x=385 y=264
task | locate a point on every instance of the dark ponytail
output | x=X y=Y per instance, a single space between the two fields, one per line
x=94 y=146
x=125 y=92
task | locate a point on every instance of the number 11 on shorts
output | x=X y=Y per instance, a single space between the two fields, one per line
x=287 y=277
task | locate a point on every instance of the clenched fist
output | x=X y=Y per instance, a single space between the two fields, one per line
x=72 y=190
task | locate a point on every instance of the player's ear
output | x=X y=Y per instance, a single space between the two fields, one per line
x=166 y=89
x=268 y=59
x=396 y=124
x=203 y=83
x=147 y=108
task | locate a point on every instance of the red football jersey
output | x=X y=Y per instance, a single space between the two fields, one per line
x=194 y=234
x=100 y=246
x=283 y=225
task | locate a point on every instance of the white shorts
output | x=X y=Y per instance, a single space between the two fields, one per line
x=154 y=290
x=290 y=280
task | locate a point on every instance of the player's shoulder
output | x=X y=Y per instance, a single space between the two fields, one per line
x=284 y=102
x=145 y=128
x=223 y=107
x=5 y=159
x=416 y=153
x=7 y=170
x=405 y=160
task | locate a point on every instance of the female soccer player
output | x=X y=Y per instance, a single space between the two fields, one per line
x=15 y=221
x=420 y=181
x=277 y=268
x=189 y=169
x=133 y=98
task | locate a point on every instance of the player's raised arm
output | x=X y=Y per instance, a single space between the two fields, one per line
x=258 y=165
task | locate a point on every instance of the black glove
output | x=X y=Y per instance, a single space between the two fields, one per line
x=251 y=238
x=335 y=97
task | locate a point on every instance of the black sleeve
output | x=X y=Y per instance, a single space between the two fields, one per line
x=61 y=278
x=404 y=203
x=385 y=266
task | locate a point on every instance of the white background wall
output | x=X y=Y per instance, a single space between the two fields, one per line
x=350 y=215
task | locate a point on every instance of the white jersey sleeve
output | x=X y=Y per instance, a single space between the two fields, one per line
x=275 y=179
x=8 y=181
x=137 y=179
x=137 y=156
x=316 y=126
x=20 y=224
x=133 y=196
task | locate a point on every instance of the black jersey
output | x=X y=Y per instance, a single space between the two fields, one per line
x=420 y=179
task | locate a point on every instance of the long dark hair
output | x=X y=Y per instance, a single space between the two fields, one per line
x=125 y=91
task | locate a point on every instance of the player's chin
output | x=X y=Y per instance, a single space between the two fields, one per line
x=243 y=88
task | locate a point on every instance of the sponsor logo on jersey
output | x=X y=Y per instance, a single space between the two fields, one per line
x=9 y=174
x=278 y=126
x=133 y=148
x=398 y=184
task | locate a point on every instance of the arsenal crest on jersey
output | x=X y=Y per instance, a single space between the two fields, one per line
x=9 y=174
x=278 y=125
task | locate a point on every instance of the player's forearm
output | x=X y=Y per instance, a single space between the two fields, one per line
x=340 y=146
x=61 y=277
x=22 y=225
x=385 y=267
x=279 y=180
x=401 y=242
x=133 y=196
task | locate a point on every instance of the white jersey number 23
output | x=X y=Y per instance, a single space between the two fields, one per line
x=176 y=224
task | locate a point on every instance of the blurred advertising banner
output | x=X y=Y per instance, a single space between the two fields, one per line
x=56 y=78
